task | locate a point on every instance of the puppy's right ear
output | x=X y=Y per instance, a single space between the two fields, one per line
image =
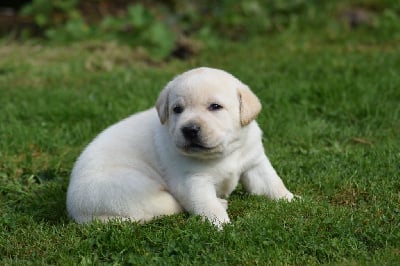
x=162 y=105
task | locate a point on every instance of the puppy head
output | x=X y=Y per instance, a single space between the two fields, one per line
x=205 y=111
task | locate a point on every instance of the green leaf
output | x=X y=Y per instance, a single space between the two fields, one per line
x=137 y=15
x=41 y=19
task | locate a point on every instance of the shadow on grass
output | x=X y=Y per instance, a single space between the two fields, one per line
x=44 y=198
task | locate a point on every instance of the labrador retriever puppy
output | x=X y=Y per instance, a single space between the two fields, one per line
x=187 y=154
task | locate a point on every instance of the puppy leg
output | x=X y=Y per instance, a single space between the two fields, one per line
x=125 y=194
x=198 y=196
x=224 y=203
x=262 y=179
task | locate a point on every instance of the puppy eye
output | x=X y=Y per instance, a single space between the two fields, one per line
x=177 y=109
x=214 y=107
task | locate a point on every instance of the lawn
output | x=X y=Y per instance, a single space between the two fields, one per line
x=331 y=122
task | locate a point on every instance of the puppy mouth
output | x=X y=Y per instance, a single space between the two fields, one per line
x=198 y=149
x=193 y=146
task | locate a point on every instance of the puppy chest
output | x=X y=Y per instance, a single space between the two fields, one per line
x=227 y=175
x=227 y=184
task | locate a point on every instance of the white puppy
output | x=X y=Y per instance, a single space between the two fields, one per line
x=189 y=157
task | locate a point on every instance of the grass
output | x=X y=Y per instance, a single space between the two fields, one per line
x=331 y=122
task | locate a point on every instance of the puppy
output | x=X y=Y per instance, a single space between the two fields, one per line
x=187 y=154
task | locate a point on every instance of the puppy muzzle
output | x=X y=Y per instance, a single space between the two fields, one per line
x=191 y=132
x=193 y=143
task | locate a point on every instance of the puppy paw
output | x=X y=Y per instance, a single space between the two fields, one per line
x=217 y=217
x=288 y=196
x=220 y=223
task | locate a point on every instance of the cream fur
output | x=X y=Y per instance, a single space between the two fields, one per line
x=144 y=167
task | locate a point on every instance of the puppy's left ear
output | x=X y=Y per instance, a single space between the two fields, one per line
x=250 y=105
x=162 y=105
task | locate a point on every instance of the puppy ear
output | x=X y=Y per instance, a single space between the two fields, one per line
x=162 y=105
x=250 y=105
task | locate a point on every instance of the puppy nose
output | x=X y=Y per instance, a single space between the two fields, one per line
x=190 y=131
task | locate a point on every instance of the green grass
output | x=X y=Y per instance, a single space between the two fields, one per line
x=331 y=122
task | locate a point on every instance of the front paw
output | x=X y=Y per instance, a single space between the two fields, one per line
x=288 y=196
x=219 y=222
x=216 y=216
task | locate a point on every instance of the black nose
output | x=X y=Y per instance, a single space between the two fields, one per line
x=191 y=131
